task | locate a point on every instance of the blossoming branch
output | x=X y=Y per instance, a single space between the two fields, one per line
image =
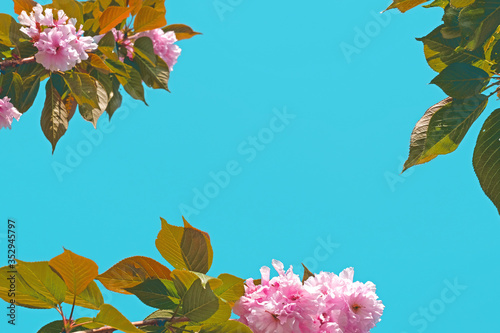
x=87 y=51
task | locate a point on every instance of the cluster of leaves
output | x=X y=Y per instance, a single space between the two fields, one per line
x=465 y=51
x=94 y=85
x=186 y=299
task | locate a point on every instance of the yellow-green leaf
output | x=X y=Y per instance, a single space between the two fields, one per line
x=11 y=282
x=461 y=3
x=42 y=279
x=76 y=271
x=72 y=8
x=90 y=298
x=110 y=316
x=185 y=248
x=232 y=288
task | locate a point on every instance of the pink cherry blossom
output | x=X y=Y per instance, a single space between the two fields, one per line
x=60 y=46
x=7 y=113
x=325 y=303
x=277 y=305
x=163 y=43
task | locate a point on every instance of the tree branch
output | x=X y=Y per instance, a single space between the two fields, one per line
x=15 y=62
x=107 y=329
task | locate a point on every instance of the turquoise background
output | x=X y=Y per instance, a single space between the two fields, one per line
x=330 y=176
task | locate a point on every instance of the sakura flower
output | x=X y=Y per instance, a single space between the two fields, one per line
x=163 y=44
x=325 y=303
x=278 y=305
x=60 y=46
x=7 y=113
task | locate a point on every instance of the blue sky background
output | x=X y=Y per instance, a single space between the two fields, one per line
x=331 y=175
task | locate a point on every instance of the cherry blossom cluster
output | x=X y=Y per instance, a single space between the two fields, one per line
x=324 y=303
x=60 y=45
x=163 y=44
x=7 y=113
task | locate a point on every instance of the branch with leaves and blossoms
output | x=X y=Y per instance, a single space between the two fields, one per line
x=87 y=51
x=186 y=298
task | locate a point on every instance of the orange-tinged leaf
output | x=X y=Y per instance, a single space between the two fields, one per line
x=112 y=16
x=210 y=251
x=76 y=271
x=181 y=31
x=148 y=19
x=132 y=271
x=20 y=5
x=405 y=5
x=136 y=5
x=98 y=63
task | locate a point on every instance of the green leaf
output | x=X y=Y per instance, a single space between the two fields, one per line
x=158 y=293
x=76 y=271
x=53 y=327
x=461 y=3
x=181 y=31
x=307 y=274
x=155 y=76
x=185 y=248
x=40 y=277
x=12 y=87
x=222 y=314
x=232 y=288
x=107 y=46
x=31 y=85
x=144 y=47
x=199 y=304
x=90 y=298
x=486 y=159
x=442 y=128
x=461 y=80
x=438 y=3
x=92 y=114
x=149 y=19
x=440 y=51
x=72 y=8
x=227 y=327
x=132 y=271
x=478 y=22
x=55 y=116
x=405 y=5
x=24 y=294
x=110 y=316
x=129 y=78
x=83 y=88
x=160 y=314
